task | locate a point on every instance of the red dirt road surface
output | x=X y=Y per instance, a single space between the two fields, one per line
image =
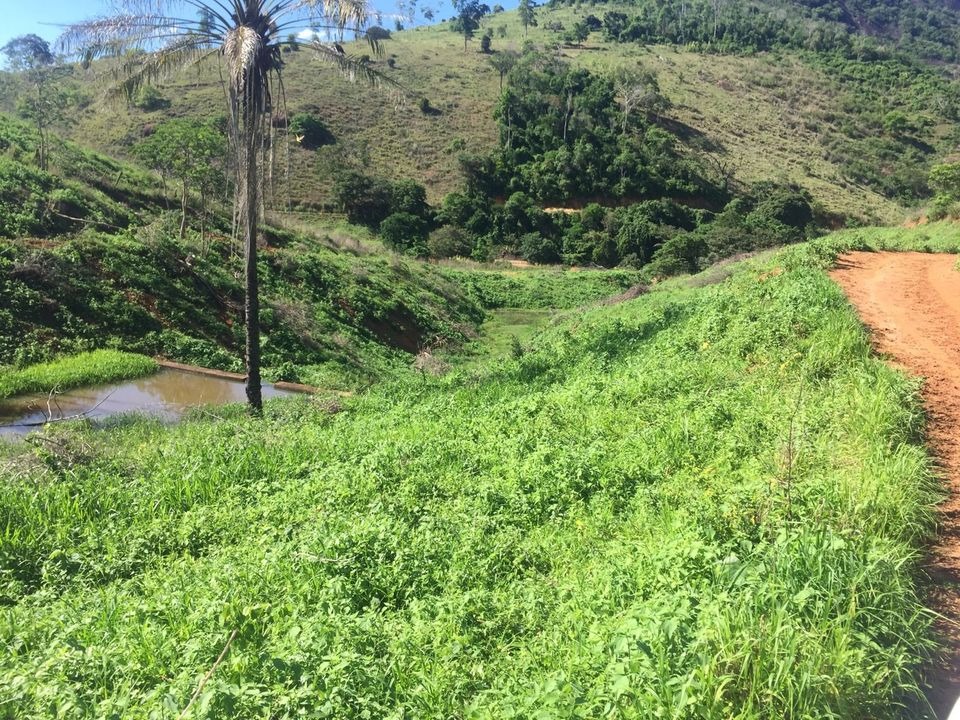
x=911 y=302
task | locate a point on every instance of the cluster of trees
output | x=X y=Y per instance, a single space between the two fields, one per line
x=191 y=152
x=568 y=134
x=673 y=236
x=572 y=138
x=920 y=29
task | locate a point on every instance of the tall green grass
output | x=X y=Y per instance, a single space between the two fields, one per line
x=704 y=503
x=89 y=368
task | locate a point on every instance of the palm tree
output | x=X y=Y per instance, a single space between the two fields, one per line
x=246 y=36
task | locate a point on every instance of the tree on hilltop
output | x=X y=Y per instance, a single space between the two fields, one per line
x=469 y=14
x=48 y=103
x=528 y=14
x=246 y=38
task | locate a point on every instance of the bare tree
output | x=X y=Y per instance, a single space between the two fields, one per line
x=638 y=91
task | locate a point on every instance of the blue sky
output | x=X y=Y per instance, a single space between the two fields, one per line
x=21 y=17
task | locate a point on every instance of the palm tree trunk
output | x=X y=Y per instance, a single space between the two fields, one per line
x=250 y=209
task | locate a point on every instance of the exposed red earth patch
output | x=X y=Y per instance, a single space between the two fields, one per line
x=911 y=303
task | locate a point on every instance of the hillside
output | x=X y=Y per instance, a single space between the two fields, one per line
x=93 y=260
x=707 y=501
x=787 y=113
x=593 y=433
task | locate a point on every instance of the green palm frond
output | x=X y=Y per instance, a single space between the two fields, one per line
x=132 y=75
x=354 y=68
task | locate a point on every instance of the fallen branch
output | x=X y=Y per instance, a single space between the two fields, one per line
x=216 y=664
x=50 y=420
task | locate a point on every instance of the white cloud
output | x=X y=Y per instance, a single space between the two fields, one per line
x=311 y=34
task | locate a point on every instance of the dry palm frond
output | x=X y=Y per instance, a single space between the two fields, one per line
x=112 y=35
x=346 y=13
x=242 y=49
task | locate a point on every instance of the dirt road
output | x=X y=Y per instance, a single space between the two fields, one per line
x=911 y=302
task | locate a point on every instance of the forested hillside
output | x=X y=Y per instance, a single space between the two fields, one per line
x=855 y=118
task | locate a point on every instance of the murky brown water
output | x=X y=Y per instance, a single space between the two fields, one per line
x=167 y=394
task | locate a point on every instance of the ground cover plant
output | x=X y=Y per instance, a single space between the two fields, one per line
x=333 y=317
x=90 y=368
x=705 y=502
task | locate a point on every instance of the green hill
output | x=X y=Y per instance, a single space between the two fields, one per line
x=705 y=502
x=94 y=260
x=556 y=492
x=796 y=108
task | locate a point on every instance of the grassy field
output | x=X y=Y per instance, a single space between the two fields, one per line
x=768 y=116
x=91 y=368
x=706 y=502
x=505 y=334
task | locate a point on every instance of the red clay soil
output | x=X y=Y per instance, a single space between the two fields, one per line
x=911 y=302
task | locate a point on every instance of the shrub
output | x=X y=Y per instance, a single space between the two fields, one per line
x=378 y=33
x=148 y=99
x=365 y=200
x=680 y=254
x=449 y=241
x=409 y=196
x=310 y=131
x=403 y=232
x=537 y=248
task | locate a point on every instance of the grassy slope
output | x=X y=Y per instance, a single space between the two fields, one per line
x=100 y=366
x=338 y=309
x=765 y=113
x=617 y=523
x=332 y=316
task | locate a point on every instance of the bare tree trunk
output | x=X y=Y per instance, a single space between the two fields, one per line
x=163 y=187
x=250 y=209
x=42 y=149
x=183 y=210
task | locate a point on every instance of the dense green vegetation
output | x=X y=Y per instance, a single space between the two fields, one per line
x=90 y=368
x=622 y=496
x=329 y=318
x=88 y=189
x=923 y=29
x=701 y=503
x=333 y=315
x=569 y=137
x=541 y=290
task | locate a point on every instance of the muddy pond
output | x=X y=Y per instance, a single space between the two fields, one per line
x=166 y=394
